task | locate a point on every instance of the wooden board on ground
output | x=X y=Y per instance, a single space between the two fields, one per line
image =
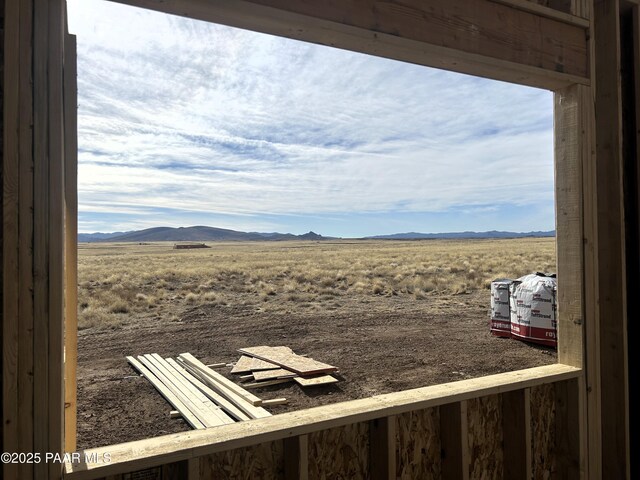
x=267 y=383
x=273 y=374
x=246 y=364
x=290 y=361
x=314 y=381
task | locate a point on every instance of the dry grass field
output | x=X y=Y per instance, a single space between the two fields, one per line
x=392 y=315
x=121 y=282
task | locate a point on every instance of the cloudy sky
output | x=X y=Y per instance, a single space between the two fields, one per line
x=187 y=123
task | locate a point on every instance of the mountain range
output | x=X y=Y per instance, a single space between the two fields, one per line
x=212 y=234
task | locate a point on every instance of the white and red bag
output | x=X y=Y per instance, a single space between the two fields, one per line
x=533 y=309
x=500 y=322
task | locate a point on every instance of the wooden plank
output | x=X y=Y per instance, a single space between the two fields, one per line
x=476 y=37
x=516 y=433
x=55 y=328
x=273 y=374
x=267 y=383
x=290 y=361
x=219 y=379
x=454 y=441
x=545 y=11
x=250 y=364
x=12 y=250
x=71 y=242
x=190 y=390
x=315 y=381
x=382 y=448
x=173 y=399
x=182 y=446
x=218 y=399
x=198 y=409
x=239 y=401
x=611 y=257
x=274 y=401
x=296 y=458
x=569 y=228
x=41 y=305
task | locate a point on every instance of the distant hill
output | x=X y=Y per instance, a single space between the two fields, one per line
x=193 y=234
x=462 y=235
x=98 y=236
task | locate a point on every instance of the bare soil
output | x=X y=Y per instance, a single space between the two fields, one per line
x=381 y=345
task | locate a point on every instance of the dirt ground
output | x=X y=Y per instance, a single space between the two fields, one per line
x=380 y=344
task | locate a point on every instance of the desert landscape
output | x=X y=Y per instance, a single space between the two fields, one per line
x=392 y=315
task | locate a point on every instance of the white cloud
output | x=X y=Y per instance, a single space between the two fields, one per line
x=180 y=114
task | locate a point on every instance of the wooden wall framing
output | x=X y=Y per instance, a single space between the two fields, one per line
x=569 y=419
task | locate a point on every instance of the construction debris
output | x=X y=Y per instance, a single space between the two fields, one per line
x=281 y=365
x=205 y=398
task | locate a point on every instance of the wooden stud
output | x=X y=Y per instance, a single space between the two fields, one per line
x=71 y=242
x=296 y=458
x=382 y=448
x=516 y=429
x=497 y=41
x=274 y=401
x=13 y=95
x=454 y=441
x=55 y=256
x=611 y=295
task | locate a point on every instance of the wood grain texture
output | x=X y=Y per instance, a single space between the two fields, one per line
x=249 y=364
x=568 y=429
x=382 y=448
x=185 y=445
x=486 y=454
x=418 y=444
x=516 y=433
x=315 y=381
x=543 y=438
x=290 y=361
x=261 y=462
x=476 y=37
x=341 y=452
x=612 y=320
x=71 y=241
x=296 y=458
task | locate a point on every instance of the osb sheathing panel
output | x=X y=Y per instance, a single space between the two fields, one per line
x=418 y=445
x=340 y=453
x=484 y=416
x=543 y=413
x=260 y=462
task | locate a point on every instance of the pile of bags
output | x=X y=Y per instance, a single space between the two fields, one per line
x=525 y=308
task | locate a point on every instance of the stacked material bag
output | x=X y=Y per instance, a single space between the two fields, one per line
x=500 y=314
x=533 y=309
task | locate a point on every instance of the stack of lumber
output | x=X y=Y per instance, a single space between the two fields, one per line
x=274 y=365
x=202 y=396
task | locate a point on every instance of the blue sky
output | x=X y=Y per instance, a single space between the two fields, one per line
x=186 y=123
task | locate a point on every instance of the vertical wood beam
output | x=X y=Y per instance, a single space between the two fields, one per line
x=25 y=346
x=516 y=431
x=612 y=321
x=71 y=243
x=569 y=227
x=296 y=458
x=454 y=440
x=11 y=208
x=382 y=448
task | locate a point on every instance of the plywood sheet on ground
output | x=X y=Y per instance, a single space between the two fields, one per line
x=290 y=361
x=247 y=364
x=273 y=374
x=314 y=381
